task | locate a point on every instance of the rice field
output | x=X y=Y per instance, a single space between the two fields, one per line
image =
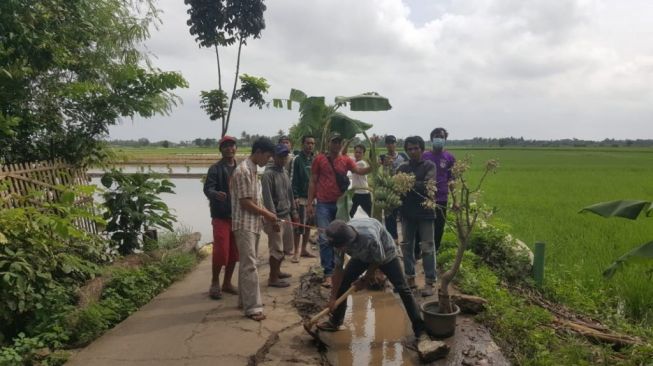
x=539 y=192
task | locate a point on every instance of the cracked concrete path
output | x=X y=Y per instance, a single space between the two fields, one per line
x=183 y=326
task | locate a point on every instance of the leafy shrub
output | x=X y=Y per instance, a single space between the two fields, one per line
x=134 y=206
x=499 y=250
x=42 y=249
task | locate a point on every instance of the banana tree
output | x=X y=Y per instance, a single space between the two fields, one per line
x=321 y=120
x=629 y=209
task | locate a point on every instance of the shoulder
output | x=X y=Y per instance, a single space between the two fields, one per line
x=428 y=164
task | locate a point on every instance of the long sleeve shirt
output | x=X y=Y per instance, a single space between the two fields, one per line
x=373 y=244
x=411 y=207
x=277 y=192
x=217 y=180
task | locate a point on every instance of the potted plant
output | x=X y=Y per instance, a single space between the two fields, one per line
x=440 y=315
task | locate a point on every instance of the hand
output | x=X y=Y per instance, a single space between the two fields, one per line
x=221 y=196
x=296 y=202
x=310 y=209
x=295 y=219
x=270 y=217
x=455 y=207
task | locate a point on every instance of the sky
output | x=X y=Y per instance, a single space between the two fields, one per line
x=537 y=69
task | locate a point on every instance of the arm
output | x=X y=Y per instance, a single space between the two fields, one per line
x=295 y=176
x=247 y=203
x=420 y=186
x=212 y=181
x=294 y=213
x=312 y=187
x=351 y=165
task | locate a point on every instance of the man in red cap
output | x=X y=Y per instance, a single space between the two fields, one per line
x=216 y=189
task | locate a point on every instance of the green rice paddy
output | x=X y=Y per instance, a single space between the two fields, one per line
x=539 y=192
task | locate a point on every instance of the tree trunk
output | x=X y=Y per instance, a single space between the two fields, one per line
x=217 y=58
x=233 y=91
x=444 y=300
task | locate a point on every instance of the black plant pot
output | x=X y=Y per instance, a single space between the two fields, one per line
x=439 y=325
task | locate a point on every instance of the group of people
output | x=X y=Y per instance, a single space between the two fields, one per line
x=297 y=189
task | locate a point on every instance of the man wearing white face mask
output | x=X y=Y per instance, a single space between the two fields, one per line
x=444 y=161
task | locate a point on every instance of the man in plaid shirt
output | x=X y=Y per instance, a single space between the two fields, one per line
x=246 y=224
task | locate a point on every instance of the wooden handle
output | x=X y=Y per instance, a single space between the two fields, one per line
x=339 y=300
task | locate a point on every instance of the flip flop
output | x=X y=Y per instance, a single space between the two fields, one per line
x=284 y=275
x=294 y=260
x=215 y=293
x=326 y=284
x=308 y=255
x=278 y=284
x=256 y=316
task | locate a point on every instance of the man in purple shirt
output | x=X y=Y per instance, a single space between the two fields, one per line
x=444 y=161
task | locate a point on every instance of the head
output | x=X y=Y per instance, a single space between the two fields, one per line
x=227 y=146
x=286 y=141
x=339 y=234
x=262 y=151
x=281 y=152
x=438 y=138
x=414 y=147
x=308 y=144
x=335 y=144
x=359 y=152
x=391 y=143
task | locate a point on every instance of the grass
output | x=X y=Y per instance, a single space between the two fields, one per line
x=539 y=192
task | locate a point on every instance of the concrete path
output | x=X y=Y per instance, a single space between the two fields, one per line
x=183 y=326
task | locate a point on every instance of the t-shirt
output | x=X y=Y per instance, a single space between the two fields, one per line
x=374 y=244
x=327 y=190
x=444 y=161
x=358 y=180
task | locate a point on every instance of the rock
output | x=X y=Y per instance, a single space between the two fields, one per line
x=430 y=351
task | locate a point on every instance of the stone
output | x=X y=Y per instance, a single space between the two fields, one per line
x=430 y=351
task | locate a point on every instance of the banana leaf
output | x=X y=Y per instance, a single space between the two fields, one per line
x=366 y=102
x=629 y=209
x=643 y=252
x=346 y=126
x=297 y=95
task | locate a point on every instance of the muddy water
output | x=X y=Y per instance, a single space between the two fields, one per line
x=376 y=324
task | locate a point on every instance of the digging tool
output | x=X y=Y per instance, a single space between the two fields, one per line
x=311 y=322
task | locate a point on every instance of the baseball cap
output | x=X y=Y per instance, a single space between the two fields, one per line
x=281 y=150
x=390 y=139
x=335 y=136
x=226 y=138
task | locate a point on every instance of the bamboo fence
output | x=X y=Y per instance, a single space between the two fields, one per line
x=48 y=177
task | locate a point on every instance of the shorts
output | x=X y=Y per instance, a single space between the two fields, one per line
x=225 y=251
x=280 y=242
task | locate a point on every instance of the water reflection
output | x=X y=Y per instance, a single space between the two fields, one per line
x=376 y=326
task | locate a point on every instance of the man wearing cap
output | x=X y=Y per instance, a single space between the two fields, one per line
x=370 y=247
x=278 y=198
x=391 y=162
x=216 y=189
x=324 y=187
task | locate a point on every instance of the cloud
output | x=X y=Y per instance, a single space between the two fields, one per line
x=538 y=69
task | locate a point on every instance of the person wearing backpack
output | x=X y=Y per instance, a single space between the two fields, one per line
x=328 y=182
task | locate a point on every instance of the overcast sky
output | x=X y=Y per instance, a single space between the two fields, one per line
x=541 y=69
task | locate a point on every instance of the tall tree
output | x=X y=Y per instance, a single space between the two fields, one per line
x=223 y=23
x=69 y=69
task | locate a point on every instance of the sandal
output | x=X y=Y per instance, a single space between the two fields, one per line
x=256 y=316
x=327 y=283
x=294 y=260
x=215 y=293
x=278 y=284
x=284 y=275
x=308 y=255
x=328 y=326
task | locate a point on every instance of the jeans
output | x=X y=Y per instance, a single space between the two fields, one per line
x=392 y=270
x=324 y=214
x=425 y=229
x=391 y=223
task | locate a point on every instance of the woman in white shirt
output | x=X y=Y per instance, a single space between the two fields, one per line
x=362 y=196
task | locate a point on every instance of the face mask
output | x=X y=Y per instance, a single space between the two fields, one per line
x=437 y=142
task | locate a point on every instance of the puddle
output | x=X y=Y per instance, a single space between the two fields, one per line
x=376 y=324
